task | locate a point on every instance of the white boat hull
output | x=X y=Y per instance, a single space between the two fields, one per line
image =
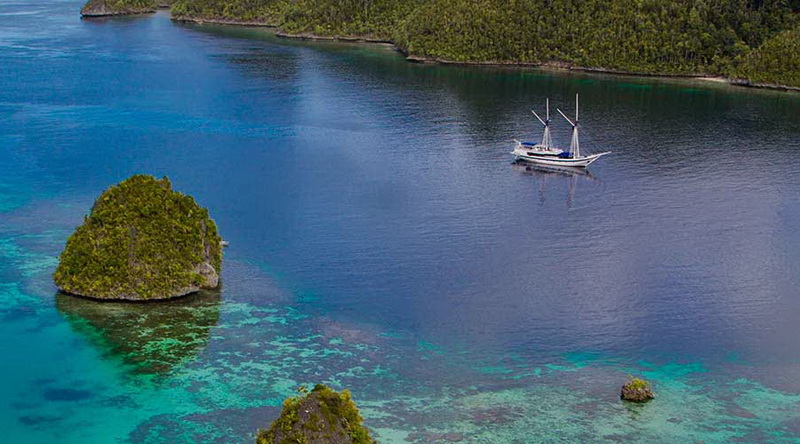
x=580 y=162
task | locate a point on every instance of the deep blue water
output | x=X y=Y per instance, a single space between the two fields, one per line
x=382 y=241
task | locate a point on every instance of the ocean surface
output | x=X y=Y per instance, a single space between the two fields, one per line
x=381 y=240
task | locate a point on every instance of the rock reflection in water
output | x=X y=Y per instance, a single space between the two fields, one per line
x=152 y=337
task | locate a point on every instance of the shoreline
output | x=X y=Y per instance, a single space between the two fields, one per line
x=555 y=66
x=349 y=39
x=95 y=15
x=227 y=22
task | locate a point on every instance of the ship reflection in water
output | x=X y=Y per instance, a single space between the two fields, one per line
x=547 y=174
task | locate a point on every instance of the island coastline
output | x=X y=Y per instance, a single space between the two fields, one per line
x=554 y=66
x=90 y=15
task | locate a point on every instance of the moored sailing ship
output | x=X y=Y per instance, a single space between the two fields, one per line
x=544 y=153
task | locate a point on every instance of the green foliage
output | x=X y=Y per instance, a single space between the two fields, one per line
x=642 y=36
x=119 y=6
x=646 y=36
x=319 y=416
x=268 y=12
x=777 y=61
x=636 y=383
x=375 y=19
x=141 y=241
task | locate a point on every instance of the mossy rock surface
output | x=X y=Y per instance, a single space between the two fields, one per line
x=141 y=241
x=637 y=390
x=101 y=8
x=322 y=416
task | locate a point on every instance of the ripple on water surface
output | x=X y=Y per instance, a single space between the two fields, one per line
x=382 y=241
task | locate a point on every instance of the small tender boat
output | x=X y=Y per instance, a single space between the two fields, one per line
x=544 y=153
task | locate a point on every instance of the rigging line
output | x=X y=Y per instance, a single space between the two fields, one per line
x=588 y=138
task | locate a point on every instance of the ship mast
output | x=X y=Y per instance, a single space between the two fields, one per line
x=547 y=141
x=575 y=145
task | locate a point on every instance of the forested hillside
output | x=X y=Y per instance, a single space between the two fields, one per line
x=755 y=39
x=96 y=8
x=777 y=61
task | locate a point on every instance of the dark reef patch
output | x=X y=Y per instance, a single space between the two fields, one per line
x=153 y=338
x=66 y=394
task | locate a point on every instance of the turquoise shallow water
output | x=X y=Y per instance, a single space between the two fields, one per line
x=381 y=241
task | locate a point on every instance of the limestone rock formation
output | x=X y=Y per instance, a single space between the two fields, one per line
x=322 y=416
x=141 y=241
x=637 y=390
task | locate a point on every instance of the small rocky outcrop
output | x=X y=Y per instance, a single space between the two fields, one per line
x=102 y=8
x=637 y=390
x=141 y=241
x=322 y=416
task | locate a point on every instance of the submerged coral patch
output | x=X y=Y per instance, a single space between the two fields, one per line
x=154 y=338
x=66 y=394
